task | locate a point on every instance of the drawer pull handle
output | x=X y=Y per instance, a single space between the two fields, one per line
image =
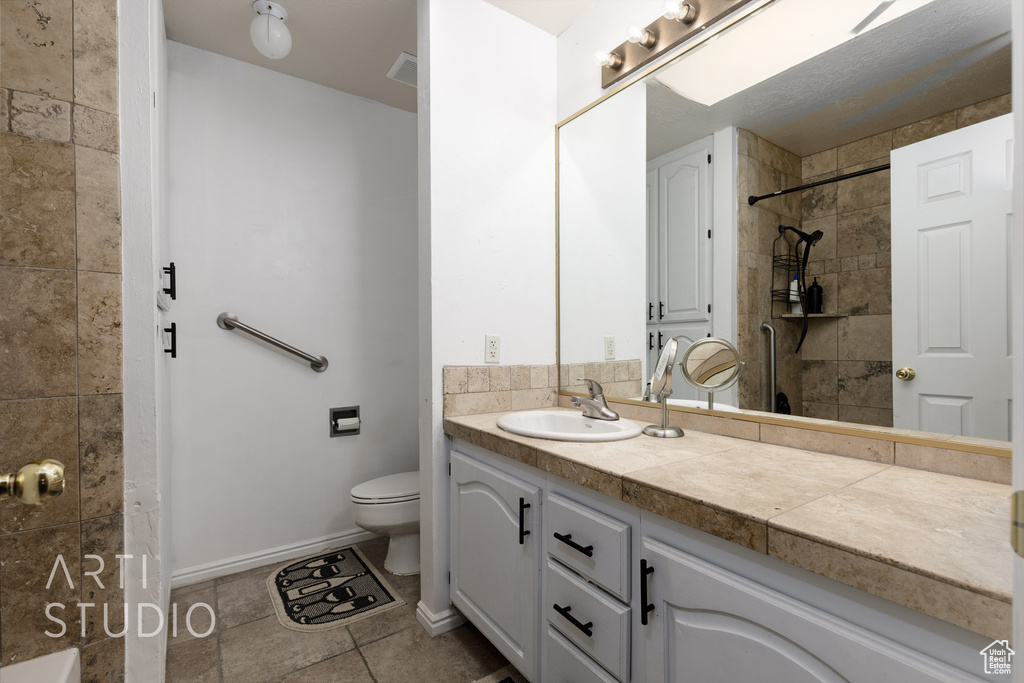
x=523 y=531
x=645 y=571
x=567 y=539
x=587 y=628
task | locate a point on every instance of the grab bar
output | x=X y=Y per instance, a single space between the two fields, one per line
x=229 y=321
x=767 y=327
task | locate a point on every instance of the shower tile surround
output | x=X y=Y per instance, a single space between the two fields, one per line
x=844 y=369
x=911 y=541
x=60 y=309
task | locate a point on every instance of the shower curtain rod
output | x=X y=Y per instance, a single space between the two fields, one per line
x=754 y=200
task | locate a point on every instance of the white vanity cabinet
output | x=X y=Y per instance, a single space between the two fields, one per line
x=715 y=612
x=496 y=557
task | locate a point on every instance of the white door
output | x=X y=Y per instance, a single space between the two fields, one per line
x=951 y=239
x=684 y=241
x=495 y=558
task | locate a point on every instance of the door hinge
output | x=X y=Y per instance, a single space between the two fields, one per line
x=449 y=578
x=1017 y=522
x=709 y=158
x=709 y=308
x=449 y=469
x=709 y=234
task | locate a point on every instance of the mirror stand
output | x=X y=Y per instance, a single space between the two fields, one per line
x=664 y=430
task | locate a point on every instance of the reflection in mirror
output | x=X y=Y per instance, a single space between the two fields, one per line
x=711 y=364
x=660 y=389
x=655 y=224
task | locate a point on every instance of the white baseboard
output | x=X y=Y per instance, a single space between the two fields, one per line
x=436 y=624
x=241 y=563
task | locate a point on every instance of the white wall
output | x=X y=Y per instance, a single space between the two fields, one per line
x=487 y=227
x=602 y=230
x=293 y=206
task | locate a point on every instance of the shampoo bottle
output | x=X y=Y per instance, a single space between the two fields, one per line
x=794 y=295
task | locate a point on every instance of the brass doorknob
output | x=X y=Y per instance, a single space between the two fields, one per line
x=35 y=482
x=906 y=374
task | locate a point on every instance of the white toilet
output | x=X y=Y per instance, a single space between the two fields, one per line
x=390 y=506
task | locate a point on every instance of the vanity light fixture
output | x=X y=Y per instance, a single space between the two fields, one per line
x=268 y=31
x=686 y=12
x=639 y=35
x=683 y=24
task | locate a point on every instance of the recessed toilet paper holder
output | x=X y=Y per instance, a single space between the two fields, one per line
x=345 y=421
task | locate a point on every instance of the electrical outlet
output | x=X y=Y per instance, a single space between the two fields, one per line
x=492 y=348
x=609 y=348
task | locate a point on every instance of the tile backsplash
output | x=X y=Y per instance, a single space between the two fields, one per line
x=478 y=389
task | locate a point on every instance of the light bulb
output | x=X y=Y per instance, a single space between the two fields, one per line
x=609 y=59
x=641 y=36
x=268 y=31
x=685 y=12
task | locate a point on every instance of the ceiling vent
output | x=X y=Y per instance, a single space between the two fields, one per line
x=404 y=69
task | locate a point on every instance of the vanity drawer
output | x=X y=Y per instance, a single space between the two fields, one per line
x=606 y=539
x=596 y=623
x=565 y=663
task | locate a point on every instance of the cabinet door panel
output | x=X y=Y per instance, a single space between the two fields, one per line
x=494 y=578
x=712 y=626
x=684 y=204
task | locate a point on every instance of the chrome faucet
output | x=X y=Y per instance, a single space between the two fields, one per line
x=595 y=406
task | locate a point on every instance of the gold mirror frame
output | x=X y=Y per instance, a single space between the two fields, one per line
x=795 y=422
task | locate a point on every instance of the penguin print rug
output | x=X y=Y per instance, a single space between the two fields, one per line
x=328 y=590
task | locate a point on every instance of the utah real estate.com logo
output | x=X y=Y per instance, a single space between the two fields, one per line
x=998 y=657
x=55 y=611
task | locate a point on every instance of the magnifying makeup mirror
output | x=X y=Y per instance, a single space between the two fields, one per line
x=711 y=364
x=661 y=389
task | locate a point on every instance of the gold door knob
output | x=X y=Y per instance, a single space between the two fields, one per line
x=35 y=482
x=906 y=374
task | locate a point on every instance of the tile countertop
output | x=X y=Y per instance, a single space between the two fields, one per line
x=936 y=543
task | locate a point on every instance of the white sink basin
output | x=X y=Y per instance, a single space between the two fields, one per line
x=563 y=426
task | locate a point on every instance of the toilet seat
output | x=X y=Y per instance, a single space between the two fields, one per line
x=393 y=488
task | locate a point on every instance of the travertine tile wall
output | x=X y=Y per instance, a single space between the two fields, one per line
x=618 y=378
x=762 y=168
x=479 y=389
x=60 y=324
x=847 y=362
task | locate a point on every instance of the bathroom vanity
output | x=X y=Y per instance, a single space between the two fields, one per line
x=629 y=561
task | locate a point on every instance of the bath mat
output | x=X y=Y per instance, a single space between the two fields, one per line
x=328 y=590
x=506 y=675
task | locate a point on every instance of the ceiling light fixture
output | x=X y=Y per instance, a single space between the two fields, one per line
x=268 y=31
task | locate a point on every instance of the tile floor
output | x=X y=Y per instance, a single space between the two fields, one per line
x=249 y=645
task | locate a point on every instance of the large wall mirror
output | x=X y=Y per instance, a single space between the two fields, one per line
x=658 y=238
